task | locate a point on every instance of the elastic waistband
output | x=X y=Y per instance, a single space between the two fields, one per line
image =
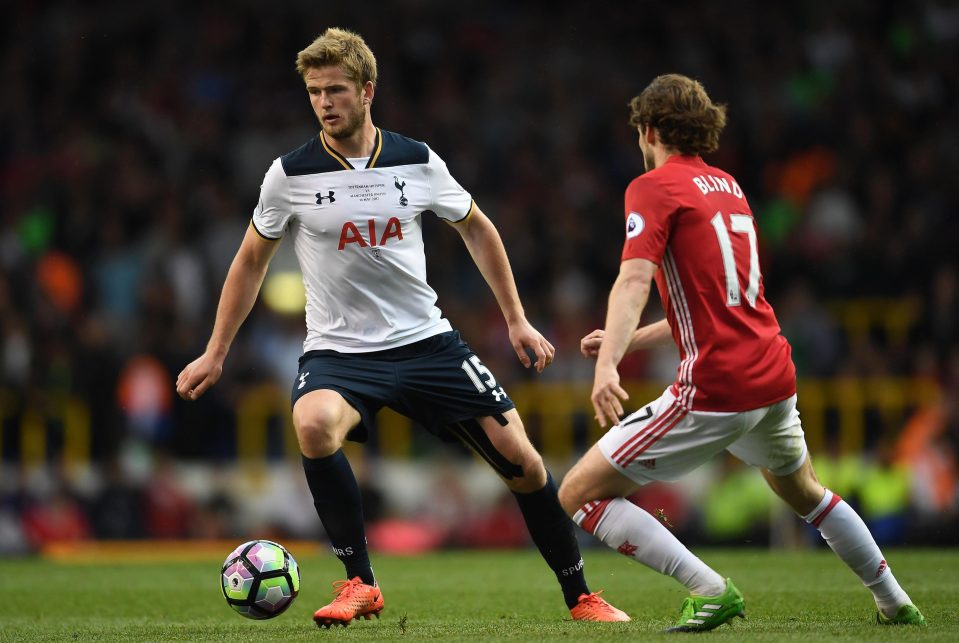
x=415 y=349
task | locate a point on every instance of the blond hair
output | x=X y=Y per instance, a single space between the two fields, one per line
x=340 y=47
x=681 y=111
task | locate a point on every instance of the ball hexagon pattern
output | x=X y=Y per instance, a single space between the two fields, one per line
x=260 y=579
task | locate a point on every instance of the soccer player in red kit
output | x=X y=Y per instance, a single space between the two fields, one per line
x=689 y=227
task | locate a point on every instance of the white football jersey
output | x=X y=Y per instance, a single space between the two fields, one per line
x=357 y=234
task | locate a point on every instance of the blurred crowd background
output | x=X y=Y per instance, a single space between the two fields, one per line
x=133 y=140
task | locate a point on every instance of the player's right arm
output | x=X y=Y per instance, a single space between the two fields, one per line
x=243 y=281
x=645 y=337
x=240 y=289
x=627 y=299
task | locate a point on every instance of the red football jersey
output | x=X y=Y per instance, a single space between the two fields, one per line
x=693 y=221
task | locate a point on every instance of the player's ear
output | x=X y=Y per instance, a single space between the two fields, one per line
x=368 y=91
x=650 y=135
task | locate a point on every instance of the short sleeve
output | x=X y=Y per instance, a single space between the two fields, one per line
x=274 y=209
x=448 y=199
x=649 y=220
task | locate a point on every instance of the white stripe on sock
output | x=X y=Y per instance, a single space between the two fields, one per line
x=826 y=499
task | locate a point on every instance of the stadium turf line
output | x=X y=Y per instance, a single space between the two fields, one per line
x=456 y=596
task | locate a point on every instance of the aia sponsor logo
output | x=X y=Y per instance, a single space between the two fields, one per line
x=882 y=567
x=627 y=549
x=351 y=234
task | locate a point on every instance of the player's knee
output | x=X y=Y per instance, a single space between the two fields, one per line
x=317 y=431
x=568 y=498
x=574 y=492
x=533 y=476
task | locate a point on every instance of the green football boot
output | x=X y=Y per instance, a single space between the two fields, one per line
x=905 y=615
x=704 y=613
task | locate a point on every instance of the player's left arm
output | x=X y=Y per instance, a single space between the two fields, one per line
x=648 y=336
x=486 y=247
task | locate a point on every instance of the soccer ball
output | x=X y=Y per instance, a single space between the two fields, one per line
x=260 y=579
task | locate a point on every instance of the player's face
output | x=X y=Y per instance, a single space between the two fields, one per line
x=340 y=105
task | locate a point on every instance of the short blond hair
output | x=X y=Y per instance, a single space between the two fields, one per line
x=681 y=111
x=340 y=47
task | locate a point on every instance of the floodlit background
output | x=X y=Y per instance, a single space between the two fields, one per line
x=133 y=139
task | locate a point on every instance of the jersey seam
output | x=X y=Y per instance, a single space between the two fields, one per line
x=668 y=189
x=429 y=182
x=339 y=158
x=289 y=197
x=669 y=193
x=257 y=230
x=469 y=211
x=429 y=173
x=374 y=157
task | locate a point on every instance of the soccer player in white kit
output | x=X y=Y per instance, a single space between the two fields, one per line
x=689 y=227
x=352 y=201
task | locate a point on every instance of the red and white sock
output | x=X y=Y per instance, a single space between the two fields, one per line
x=847 y=535
x=633 y=532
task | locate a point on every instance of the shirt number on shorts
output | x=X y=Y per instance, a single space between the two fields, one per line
x=475 y=371
x=742 y=223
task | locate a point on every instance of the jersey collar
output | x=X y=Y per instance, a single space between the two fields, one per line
x=377 y=148
x=685 y=160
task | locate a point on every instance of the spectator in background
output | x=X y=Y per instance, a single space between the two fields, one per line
x=117 y=509
x=126 y=130
x=168 y=511
x=55 y=518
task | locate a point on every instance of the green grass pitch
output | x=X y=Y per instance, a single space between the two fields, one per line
x=456 y=596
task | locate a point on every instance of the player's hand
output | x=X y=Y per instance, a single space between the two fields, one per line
x=589 y=345
x=607 y=395
x=523 y=336
x=198 y=376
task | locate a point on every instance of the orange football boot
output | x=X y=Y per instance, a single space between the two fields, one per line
x=354 y=600
x=592 y=608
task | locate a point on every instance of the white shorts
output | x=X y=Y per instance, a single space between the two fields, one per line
x=663 y=442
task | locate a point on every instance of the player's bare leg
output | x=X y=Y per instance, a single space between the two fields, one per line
x=847 y=535
x=502 y=441
x=593 y=493
x=322 y=419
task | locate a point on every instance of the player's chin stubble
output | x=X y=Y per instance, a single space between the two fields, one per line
x=353 y=123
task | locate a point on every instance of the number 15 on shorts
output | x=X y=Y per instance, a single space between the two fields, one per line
x=481 y=377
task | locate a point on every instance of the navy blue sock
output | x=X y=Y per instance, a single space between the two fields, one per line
x=552 y=532
x=336 y=496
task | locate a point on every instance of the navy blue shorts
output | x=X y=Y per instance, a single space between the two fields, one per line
x=437 y=381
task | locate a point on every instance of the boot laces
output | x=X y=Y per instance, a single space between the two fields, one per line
x=595 y=601
x=342 y=589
